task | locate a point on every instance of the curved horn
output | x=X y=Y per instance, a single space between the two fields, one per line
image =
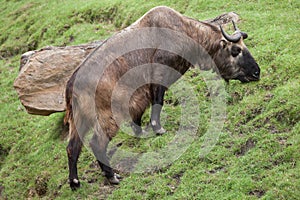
x=245 y=35
x=231 y=38
x=235 y=26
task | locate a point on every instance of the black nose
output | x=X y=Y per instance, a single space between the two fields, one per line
x=256 y=74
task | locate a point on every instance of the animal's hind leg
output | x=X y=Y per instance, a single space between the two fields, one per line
x=73 y=150
x=99 y=144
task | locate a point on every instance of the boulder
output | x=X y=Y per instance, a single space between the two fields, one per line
x=44 y=73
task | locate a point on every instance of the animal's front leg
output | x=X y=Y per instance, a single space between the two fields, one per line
x=158 y=93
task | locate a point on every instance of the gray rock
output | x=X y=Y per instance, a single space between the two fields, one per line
x=43 y=76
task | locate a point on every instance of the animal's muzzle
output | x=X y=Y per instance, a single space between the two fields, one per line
x=255 y=76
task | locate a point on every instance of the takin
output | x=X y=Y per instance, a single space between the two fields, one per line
x=90 y=92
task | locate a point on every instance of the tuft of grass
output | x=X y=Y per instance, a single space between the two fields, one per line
x=257 y=153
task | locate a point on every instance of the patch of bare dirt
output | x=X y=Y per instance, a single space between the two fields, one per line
x=257 y=193
x=250 y=143
x=176 y=182
x=40 y=188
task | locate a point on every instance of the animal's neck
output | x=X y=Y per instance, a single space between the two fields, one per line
x=204 y=34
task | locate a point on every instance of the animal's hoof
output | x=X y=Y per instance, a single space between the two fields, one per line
x=115 y=179
x=118 y=176
x=74 y=184
x=160 y=131
x=136 y=129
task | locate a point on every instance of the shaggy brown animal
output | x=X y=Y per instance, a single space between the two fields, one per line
x=98 y=99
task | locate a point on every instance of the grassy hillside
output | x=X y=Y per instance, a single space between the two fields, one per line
x=256 y=156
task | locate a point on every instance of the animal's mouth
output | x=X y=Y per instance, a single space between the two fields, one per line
x=248 y=78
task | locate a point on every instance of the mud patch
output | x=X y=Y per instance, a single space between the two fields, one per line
x=178 y=176
x=216 y=170
x=40 y=188
x=41 y=184
x=3 y=154
x=176 y=180
x=257 y=193
x=250 y=143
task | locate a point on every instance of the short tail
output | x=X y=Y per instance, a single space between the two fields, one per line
x=67 y=117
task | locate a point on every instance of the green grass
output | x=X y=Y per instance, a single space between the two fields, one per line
x=256 y=156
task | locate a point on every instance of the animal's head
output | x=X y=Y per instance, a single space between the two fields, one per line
x=233 y=59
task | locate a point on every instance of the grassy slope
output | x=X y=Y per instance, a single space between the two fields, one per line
x=257 y=154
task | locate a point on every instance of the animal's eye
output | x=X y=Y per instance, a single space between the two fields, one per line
x=235 y=51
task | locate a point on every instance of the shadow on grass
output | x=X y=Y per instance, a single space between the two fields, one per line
x=60 y=130
x=3 y=153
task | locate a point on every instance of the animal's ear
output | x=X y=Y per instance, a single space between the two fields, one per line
x=223 y=44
